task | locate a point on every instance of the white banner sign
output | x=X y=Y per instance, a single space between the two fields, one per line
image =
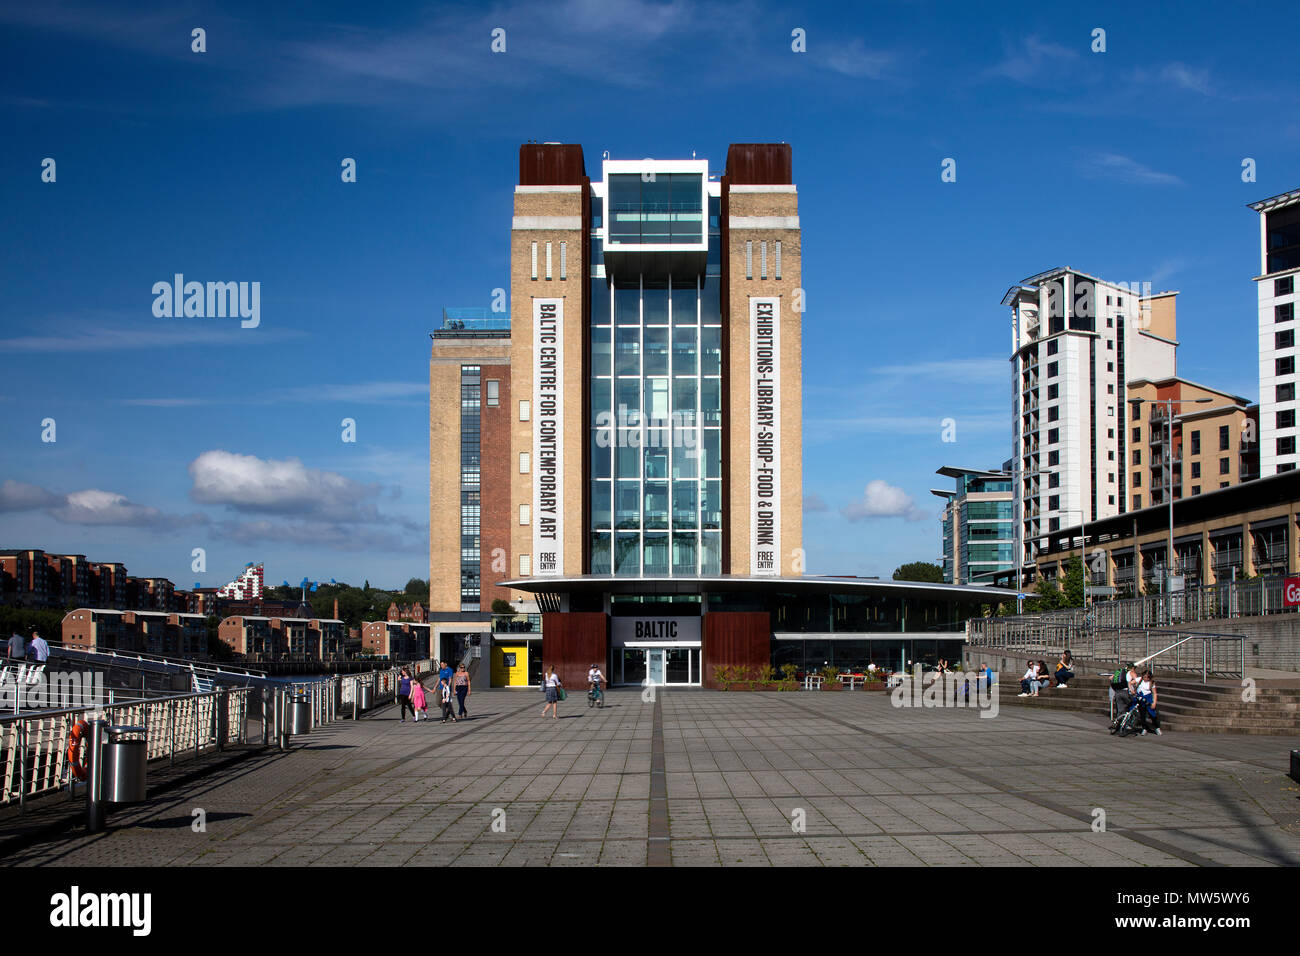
x=765 y=432
x=637 y=631
x=548 y=436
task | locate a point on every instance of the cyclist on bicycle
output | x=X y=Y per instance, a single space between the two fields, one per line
x=594 y=677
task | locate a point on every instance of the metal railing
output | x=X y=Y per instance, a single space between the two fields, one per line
x=1220 y=655
x=1206 y=602
x=34 y=747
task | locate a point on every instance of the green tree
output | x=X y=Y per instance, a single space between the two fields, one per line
x=1072 y=592
x=502 y=606
x=417 y=589
x=919 y=571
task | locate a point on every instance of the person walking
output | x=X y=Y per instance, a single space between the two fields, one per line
x=404 y=694
x=444 y=693
x=17 y=647
x=419 y=704
x=38 y=648
x=552 y=684
x=461 y=683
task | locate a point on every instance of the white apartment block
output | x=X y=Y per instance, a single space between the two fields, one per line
x=1279 y=263
x=1076 y=341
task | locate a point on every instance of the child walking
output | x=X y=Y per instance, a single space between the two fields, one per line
x=445 y=690
x=418 y=702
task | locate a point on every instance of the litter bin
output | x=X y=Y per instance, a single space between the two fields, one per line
x=367 y=695
x=124 y=765
x=300 y=719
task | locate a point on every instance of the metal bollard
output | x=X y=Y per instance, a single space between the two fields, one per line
x=266 y=716
x=96 y=811
x=284 y=719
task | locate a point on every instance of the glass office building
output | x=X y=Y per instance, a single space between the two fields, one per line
x=977 y=525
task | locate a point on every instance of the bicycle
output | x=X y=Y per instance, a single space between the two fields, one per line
x=596 y=697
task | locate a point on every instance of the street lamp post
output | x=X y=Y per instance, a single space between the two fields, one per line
x=1169 y=404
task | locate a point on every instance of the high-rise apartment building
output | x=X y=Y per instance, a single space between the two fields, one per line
x=978 y=530
x=1279 y=262
x=1077 y=341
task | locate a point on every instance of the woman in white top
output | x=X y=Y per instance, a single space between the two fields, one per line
x=552 y=684
x=1146 y=692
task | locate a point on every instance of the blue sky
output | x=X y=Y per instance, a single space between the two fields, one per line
x=224 y=166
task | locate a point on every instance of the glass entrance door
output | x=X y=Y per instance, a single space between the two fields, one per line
x=654 y=665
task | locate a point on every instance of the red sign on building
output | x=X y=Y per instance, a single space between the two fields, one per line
x=1291 y=592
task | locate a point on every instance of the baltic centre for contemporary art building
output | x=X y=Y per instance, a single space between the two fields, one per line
x=619 y=451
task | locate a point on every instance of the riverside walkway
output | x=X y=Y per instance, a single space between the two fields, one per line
x=707 y=778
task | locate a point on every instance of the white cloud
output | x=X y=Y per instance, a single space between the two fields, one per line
x=854 y=59
x=880 y=499
x=90 y=507
x=1030 y=57
x=20 y=496
x=286 y=486
x=1125 y=169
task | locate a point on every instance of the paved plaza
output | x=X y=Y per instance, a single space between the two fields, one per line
x=702 y=778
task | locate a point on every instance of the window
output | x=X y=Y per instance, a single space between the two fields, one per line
x=534 y=260
x=1110 y=499
x=548 y=262
x=1053 y=436
x=1137 y=434
x=1110 y=345
x=524 y=410
x=493 y=392
x=1286 y=393
x=525 y=513
x=1054 y=503
x=1286 y=446
x=1137 y=502
x=1223 y=466
x=1196 y=443
x=1110 y=323
x=1053 y=391
x=1110 y=477
x=1284 y=286
x=523 y=463
x=1223 y=438
x=1053 y=458
x=1137 y=479
x=1196 y=489
x=1052 y=346
x=1053 y=480
x=525 y=565
x=776 y=260
x=1223 y=484
x=1110 y=455
x=749 y=259
x=762 y=259
x=1286 y=419
x=1119 y=302
x=1196 y=469
x=1110 y=366
x=1110 y=389
x=1137 y=456
x=1284 y=339
x=1110 y=411
x=1053 y=413
x=1110 y=433
x=1051 y=369
x=1284 y=312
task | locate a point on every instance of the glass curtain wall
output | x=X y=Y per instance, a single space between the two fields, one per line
x=656 y=423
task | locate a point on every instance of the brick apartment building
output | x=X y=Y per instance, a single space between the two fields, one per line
x=405 y=640
x=168 y=634
x=260 y=638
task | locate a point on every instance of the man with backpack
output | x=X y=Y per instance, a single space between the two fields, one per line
x=1123 y=685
